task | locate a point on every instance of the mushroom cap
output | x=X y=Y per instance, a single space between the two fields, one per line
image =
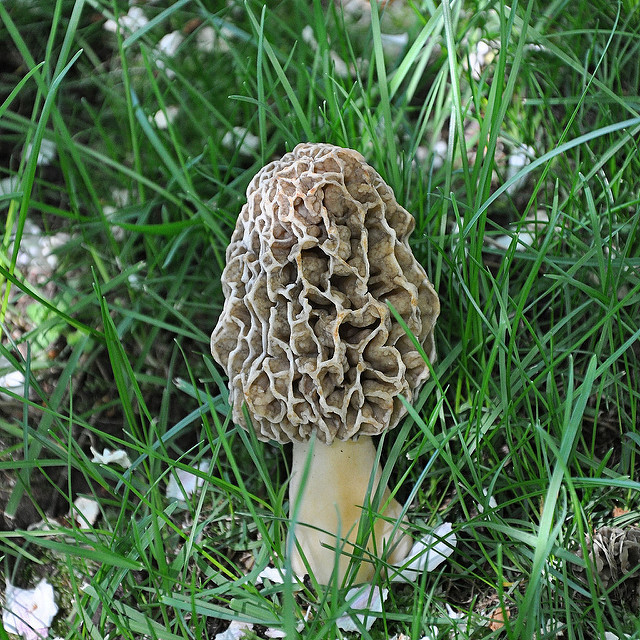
x=306 y=336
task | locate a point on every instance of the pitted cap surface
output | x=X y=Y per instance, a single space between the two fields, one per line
x=305 y=336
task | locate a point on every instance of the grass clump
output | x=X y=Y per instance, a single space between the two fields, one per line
x=510 y=132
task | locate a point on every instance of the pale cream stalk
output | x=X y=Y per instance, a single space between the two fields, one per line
x=329 y=511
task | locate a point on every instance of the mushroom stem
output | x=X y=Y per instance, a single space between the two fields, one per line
x=329 y=511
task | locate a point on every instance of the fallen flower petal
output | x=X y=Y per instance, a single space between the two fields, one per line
x=46 y=153
x=182 y=484
x=339 y=65
x=209 y=40
x=206 y=39
x=85 y=512
x=169 y=43
x=272 y=574
x=249 y=143
x=29 y=612
x=366 y=598
x=235 y=631
x=36 y=253
x=438 y=154
x=525 y=239
x=479 y=59
x=535 y=226
x=518 y=160
x=393 y=44
x=492 y=502
x=456 y=615
x=10 y=184
x=121 y=197
x=12 y=381
x=111 y=457
x=167 y=47
x=164 y=118
x=427 y=554
x=131 y=21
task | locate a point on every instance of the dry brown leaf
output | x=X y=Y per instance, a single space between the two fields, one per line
x=497 y=618
x=191 y=25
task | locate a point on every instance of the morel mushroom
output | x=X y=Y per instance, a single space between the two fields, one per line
x=614 y=557
x=311 y=346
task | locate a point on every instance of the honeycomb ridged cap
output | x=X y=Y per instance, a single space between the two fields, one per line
x=305 y=336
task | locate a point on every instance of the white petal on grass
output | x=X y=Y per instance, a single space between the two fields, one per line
x=301 y=623
x=164 y=118
x=501 y=242
x=209 y=40
x=272 y=574
x=10 y=184
x=427 y=554
x=134 y=20
x=121 y=197
x=439 y=152
x=130 y=22
x=492 y=502
x=308 y=37
x=366 y=598
x=170 y=43
x=518 y=159
x=457 y=615
x=479 y=58
x=433 y=631
x=36 y=253
x=111 y=457
x=85 y=512
x=183 y=484
x=46 y=153
x=393 y=44
x=167 y=47
x=206 y=39
x=29 y=612
x=339 y=65
x=110 y=213
x=249 y=143
x=135 y=281
x=11 y=380
x=44 y=525
x=536 y=225
x=235 y=631
x=524 y=239
x=356 y=9
x=275 y=633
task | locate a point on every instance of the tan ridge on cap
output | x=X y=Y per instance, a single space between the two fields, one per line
x=306 y=336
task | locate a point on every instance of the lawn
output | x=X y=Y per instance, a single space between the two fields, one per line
x=128 y=137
